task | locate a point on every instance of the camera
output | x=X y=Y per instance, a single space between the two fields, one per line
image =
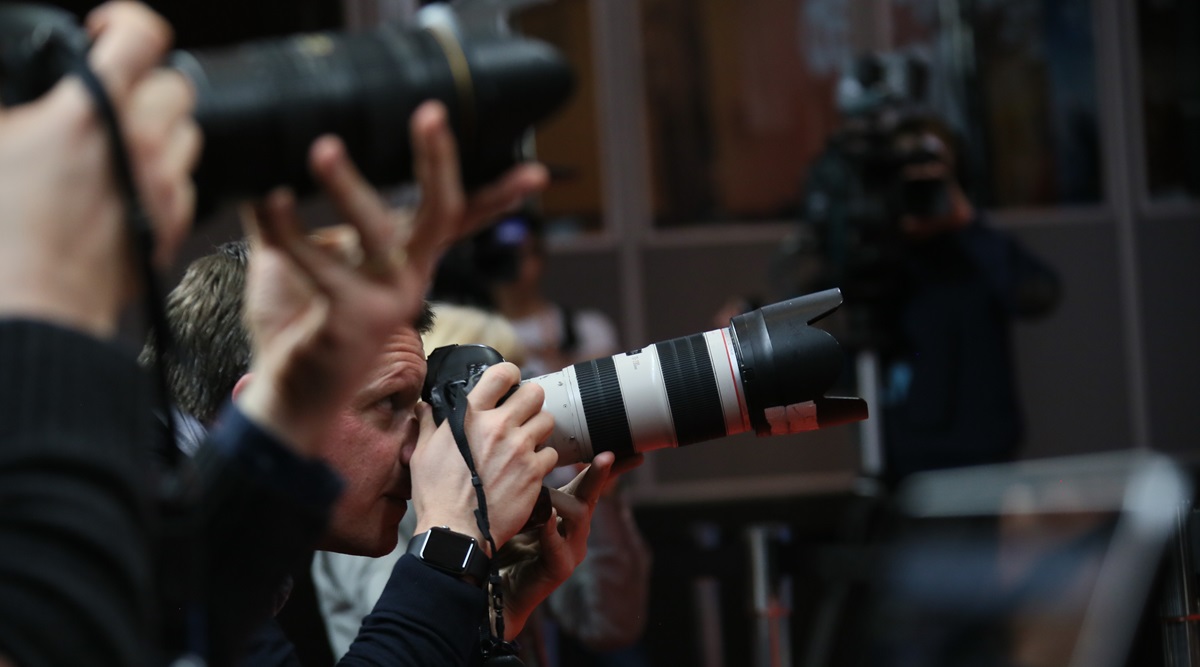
x=767 y=371
x=261 y=104
x=877 y=170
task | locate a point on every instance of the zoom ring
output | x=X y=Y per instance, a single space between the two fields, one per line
x=691 y=389
x=604 y=407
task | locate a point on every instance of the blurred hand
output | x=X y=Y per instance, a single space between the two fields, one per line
x=504 y=443
x=65 y=253
x=320 y=307
x=958 y=214
x=536 y=565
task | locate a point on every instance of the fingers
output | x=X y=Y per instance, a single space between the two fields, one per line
x=622 y=466
x=507 y=194
x=130 y=40
x=588 y=485
x=435 y=156
x=546 y=460
x=158 y=103
x=495 y=383
x=356 y=200
x=164 y=142
x=424 y=412
x=279 y=226
x=445 y=214
x=549 y=531
x=273 y=221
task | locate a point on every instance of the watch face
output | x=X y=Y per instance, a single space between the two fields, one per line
x=447 y=549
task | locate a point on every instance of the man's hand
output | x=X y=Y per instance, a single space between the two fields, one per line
x=65 y=254
x=560 y=546
x=320 y=307
x=504 y=443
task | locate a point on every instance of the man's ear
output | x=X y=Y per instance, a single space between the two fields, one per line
x=241 y=385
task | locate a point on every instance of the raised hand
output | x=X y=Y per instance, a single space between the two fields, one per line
x=65 y=254
x=320 y=307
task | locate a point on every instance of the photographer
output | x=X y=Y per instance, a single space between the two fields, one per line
x=384 y=443
x=936 y=289
x=80 y=530
x=75 y=509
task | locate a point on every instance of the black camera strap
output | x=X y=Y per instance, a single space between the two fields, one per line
x=141 y=235
x=496 y=651
x=180 y=542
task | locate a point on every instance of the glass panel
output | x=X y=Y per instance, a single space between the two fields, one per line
x=1169 y=39
x=568 y=142
x=740 y=95
x=736 y=111
x=1037 y=93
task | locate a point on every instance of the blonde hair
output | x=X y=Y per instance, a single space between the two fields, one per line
x=460 y=325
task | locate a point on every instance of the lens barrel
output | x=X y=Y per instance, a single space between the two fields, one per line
x=768 y=371
x=261 y=104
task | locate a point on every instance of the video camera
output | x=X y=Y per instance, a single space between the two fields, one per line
x=866 y=181
x=262 y=103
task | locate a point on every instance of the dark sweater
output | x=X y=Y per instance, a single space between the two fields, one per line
x=955 y=402
x=423 y=617
x=75 y=520
x=81 y=534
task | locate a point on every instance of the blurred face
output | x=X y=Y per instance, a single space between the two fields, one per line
x=529 y=274
x=370 y=447
x=933 y=197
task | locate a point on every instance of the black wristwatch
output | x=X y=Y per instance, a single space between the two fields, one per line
x=451 y=552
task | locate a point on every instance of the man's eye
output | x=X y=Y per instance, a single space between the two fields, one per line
x=390 y=403
x=393 y=405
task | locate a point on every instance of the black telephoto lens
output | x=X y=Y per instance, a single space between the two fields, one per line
x=261 y=104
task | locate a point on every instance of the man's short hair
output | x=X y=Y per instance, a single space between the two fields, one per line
x=212 y=343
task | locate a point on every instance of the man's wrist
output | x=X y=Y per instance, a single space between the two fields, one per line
x=461 y=526
x=454 y=553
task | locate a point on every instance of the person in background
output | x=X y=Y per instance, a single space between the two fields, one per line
x=76 y=515
x=932 y=289
x=502 y=269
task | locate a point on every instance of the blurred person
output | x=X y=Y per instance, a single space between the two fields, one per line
x=951 y=391
x=502 y=269
x=79 y=520
x=81 y=544
x=603 y=602
x=75 y=512
x=385 y=445
x=933 y=289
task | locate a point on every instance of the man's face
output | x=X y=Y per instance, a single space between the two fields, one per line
x=370 y=447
